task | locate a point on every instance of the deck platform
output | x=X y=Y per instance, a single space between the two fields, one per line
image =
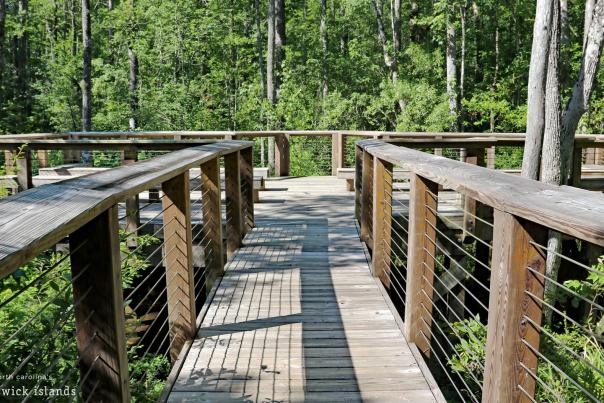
x=298 y=316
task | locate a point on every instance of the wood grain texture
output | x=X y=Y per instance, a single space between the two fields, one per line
x=234 y=212
x=509 y=304
x=421 y=252
x=282 y=149
x=99 y=309
x=247 y=188
x=366 y=198
x=338 y=152
x=575 y=212
x=382 y=220
x=178 y=261
x=358 y=182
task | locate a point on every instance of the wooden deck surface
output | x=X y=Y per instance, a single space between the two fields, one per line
x=298 y=316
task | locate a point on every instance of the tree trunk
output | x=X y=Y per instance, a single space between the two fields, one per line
x=388 y=60
x=589 y=10
x=462 y=65
x=451 y=69
x=21 y=56
x=2 y=21
x=323 y=38
x=259 y=48
x=552 y=148
x=86 y=76
x=536 y=90
x=496 y=72
x=270 y=53
x=583 y=88
x=279 y=43
x=395 y=11
x=133 y=89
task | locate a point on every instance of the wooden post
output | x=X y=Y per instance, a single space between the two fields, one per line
x=178 y=261
x=246 y=169
x=281 y=155
x=382 y=220
x=338 y=152
x=491 y=155
x=132 y=205
x=366 y=198
x=23 y=166
x=42 y=158
x=509 y=306
x=420 y=264
x=212 y=221
x=232 y=181
x=358 y=175
x=72 y=156
x=99 y=309
x=473 y=157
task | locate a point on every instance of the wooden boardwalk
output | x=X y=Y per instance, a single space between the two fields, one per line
x=298 y=316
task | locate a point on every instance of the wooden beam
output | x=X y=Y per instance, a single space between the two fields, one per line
x=234 y=218
x=382 y=220
x=178 y=261
x=282 y=150
x=132 y=205
x=42 y=158
x=338 y=152
x=366 y=199
x=99 y=309
x=358 y=182
x=212 y=221
x=423 y=205
x=246 y=168
x=508 y=330
x=23 y=167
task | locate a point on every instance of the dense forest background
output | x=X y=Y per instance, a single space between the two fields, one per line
x=347 y=64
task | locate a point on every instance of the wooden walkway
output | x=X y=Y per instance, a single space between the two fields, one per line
x=298 y=316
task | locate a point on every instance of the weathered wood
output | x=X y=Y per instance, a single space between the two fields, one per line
x=234 y=218
x=366 y=198
x=508 y=330
x=212 y=221
x=282 y=150
x=178 y=261
x=132 y=205
x=382 y=220
x=23 y=167
x=247 y=188
x=99 y=309
x=420 y=264
x=358 y=182
x=42 y=158
x=474 y=156
x=338 y=152
x=577 y=163
x=546 y=204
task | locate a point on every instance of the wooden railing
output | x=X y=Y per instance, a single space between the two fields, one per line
x=83 y=234
x=444 y=275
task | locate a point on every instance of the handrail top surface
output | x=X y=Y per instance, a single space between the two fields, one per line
x=573 y=211
x=36 y=219
x=118 y=144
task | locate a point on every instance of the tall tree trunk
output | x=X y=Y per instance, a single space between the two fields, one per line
x=496 y=72
x=259 y=48
x=2 y=23
x=279 y=43
x=451 y=58
x=133 y=89
x=583 y=88
x=536 y=90
x=462 y=64
x=86 y=75
x=552 y=147
x=21 y=51
x=270 y=78
x=323 y=37
x=395 y=12
x=388 y=60
x=589 y=10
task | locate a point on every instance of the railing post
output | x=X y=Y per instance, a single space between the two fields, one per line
x=99 y=311
x=423 y=205
x=491 y=155
x=382 y=220
x=358 y=177
x=367 y=199
x=577 y=165
x=176 y=204
x=23 y=166
x=509 y=332
x=474 y=156
x=338 y=150
x=282 y=155
x=132 y=204
x=42 y=158
x=246 y=169
x=212 y=221
x=232 y=185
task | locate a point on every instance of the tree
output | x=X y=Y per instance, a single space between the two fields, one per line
x=451 y=57
x=323 y=34
x=2 y=22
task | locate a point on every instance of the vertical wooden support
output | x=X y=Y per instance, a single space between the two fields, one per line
x=232 y=181
x=358 y=175
x=577 y=164
x=212 y=221
x=473 y=157
x=179 y=261
x=132 y=205
x=42 y=158
x=491 y=157
x=420 y=264
x=599 y=155
x=281 y=155
x=23 y=166
x=382 y=220
x=72 y=156
x=99 y=309
x=338 y=152
x=366 y=198
x=509 y=306
x=9 y=160
x=246 y=169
